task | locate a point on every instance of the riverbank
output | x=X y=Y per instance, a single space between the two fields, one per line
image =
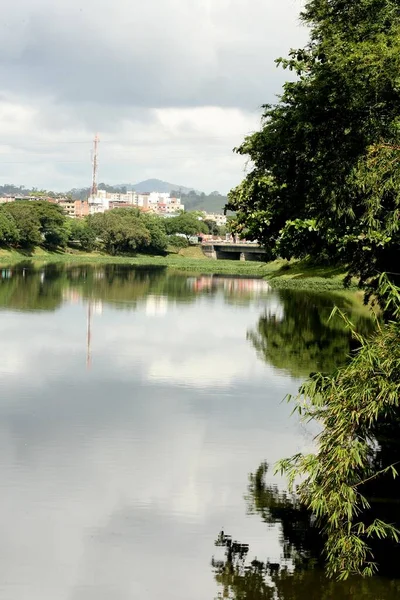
x=279 y=273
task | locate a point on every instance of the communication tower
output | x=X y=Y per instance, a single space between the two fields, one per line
x=89 y=336
x=93 y=191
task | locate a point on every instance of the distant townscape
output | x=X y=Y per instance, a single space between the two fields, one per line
x=155 y=202
x=79 y=203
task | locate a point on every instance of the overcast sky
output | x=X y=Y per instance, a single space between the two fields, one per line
x=171 y=86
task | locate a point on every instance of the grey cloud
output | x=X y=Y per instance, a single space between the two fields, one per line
x=155 y=55
x=75 y=67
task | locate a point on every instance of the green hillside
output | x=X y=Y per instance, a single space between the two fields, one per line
x=213 y=202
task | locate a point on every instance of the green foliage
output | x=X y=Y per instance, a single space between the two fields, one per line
x=356 y=406
x=36 y=222
x=212 y=227
x=39 y=222
x=196 y=201
x=158 y=237
x=127 y=230
x=27 y=222
x=81 y=232
x=299 y=239
x=328 y=151
x=187 y=224
x=9 y=234
x=177 y=241
x=121 y=230
x=83 y=193
x=10 y=189
x=52 y=223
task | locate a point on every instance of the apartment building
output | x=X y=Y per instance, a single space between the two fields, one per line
x=159 y=203
x=219 y=219
x=76 y=209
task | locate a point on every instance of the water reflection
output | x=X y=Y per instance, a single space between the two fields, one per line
x=300 y=337
x=24 y=287
x=294 y=332
x=240 y=578
x=111 y=475
x=299 y=575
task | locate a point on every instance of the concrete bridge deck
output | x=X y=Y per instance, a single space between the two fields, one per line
x=231 y=251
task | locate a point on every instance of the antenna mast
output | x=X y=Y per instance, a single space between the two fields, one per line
x=89 y=336
x=93 y=191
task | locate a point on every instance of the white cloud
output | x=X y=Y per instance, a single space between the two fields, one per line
x=173 y=85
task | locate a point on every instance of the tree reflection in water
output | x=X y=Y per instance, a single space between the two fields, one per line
x=299 y=575
x=26 y=286
x=301 y=338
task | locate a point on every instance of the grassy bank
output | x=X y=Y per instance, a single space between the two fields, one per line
x=279 y=273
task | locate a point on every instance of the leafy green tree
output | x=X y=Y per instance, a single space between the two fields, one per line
x=212 y=226
x=326 y=182
x=81 y=232
x=121 y=230
x=187 y=223
x=27 y=221
x=177 y=242
x=358 y=407
x=38 y=222
x=328 y=153
x=158 y=236
x=52 y=223
x=9 y=234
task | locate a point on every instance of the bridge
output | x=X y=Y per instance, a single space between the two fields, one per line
x=230 y=251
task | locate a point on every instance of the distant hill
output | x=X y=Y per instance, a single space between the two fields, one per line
x=191 y=198
x=157 y=185
x=214 y=202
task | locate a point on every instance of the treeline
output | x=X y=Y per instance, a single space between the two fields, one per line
x=84 y=193
x=193 y=201
x=213 y=203
x=25 y=224
x=325 y=184
x=9 y=189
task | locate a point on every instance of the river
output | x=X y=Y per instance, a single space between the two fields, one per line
x=134 y=406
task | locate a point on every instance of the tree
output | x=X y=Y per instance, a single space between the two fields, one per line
x=121 y=230
x=212 y=226
x=27 y=222
x=327 y=153
x=325 y=182
x=38 y=222
x=81 y=232
x=187 y=223
x=9 y=234
x=358 y=407
x=158 y=236
x=178 y=242
x=52 y=223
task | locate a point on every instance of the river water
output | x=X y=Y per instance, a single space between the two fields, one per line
x=134 y=406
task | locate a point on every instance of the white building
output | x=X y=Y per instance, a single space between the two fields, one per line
x=219 y=219
x=156 y=202
x=98 y=204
